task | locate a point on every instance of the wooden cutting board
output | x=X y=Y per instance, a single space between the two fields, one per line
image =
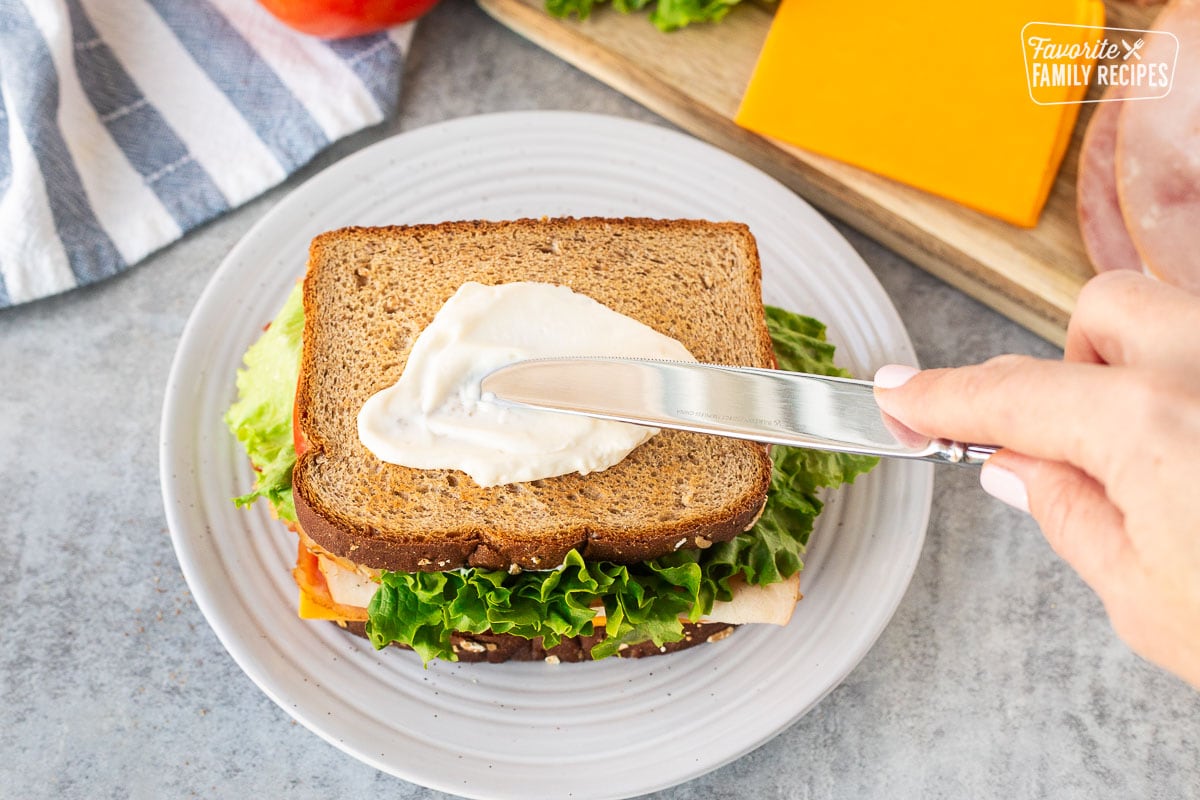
x=695 y=78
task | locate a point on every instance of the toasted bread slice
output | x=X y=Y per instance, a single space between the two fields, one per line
x=370 y=291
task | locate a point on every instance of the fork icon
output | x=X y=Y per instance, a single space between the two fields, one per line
x=1132 y=50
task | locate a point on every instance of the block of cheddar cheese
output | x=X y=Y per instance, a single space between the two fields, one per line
x=933 y=94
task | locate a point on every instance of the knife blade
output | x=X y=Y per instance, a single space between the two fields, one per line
x=793 y=409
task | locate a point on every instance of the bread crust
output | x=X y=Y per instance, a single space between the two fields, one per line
x=496 y=648
x=487 y=551
x=579 y=511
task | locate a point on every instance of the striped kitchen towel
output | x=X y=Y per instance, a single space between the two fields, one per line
x=126 y=123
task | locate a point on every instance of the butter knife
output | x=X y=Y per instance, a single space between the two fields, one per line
x=793 y=409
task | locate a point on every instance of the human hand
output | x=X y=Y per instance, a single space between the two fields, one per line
x=1102 y=448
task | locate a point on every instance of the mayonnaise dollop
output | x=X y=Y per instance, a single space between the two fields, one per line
x=434 y=418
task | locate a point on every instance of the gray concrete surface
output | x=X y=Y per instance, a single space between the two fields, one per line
x=999 y=676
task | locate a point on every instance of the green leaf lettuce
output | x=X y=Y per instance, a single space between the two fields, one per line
x=667 y=15
x=261 y=419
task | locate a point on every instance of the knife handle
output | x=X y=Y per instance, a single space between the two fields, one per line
x=962 y=452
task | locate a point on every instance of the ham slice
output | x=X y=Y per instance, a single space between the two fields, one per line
x=1158 y=157
x=1101 y=224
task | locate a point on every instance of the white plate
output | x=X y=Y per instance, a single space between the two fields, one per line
x=610 y=729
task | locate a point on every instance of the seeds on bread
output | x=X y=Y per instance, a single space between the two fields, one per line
x=497 y=648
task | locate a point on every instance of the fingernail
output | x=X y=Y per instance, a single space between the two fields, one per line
x=1004 y=486
x=894 y=375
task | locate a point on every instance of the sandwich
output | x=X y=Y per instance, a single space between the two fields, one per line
x=673 y=545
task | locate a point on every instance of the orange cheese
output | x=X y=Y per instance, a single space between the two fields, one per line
x=308 y=608
x=932 y=94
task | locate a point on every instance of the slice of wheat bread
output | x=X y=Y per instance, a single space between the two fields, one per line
x=369 y=292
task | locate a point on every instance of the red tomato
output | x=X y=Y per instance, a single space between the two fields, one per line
x=298 y=441
x=338 y=19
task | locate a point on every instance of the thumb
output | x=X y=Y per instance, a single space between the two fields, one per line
x=1075 y=514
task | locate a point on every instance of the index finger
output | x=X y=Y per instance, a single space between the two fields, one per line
x=1128 y=319
x=1077 y=413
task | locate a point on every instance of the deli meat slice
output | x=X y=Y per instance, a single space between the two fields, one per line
x=1101 y=224
x=1158 y=157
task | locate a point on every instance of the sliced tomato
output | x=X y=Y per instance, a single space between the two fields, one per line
x=298 y=440
x=339 y=19
x=308 y=573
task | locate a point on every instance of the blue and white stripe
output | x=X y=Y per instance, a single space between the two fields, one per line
x=126 y=123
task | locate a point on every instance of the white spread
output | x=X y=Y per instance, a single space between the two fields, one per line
x=434 y=418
